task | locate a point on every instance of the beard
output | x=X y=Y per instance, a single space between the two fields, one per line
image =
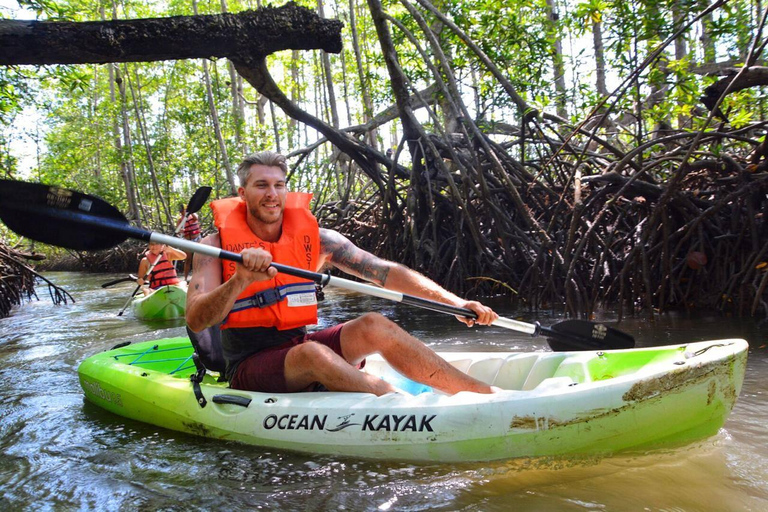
x=265 y=219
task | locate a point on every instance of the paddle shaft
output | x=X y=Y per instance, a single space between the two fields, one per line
x=328 y=280
x=118 y=281
x=130 y=299
x=77 y=221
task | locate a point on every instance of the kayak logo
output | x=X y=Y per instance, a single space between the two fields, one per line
x=95 y=389
x=295 y=422
x=599 y=332
x=59 y=197
x=372 y=422
x=398 y=423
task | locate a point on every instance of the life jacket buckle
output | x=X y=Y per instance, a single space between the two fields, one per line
x=268 y=297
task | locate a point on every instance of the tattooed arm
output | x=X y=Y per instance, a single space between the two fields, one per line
x=337 y=250
x=208 y=299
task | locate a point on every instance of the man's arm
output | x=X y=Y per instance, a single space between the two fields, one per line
x=208 y=299
x=337 y=250
x=174 y=254
x=179 y=222
x=143 y=268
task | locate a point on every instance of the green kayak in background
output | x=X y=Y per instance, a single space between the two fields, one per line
x=165 y=303
x=564 y=404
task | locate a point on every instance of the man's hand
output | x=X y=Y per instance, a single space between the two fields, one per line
x=255 y=266
x=485 y=315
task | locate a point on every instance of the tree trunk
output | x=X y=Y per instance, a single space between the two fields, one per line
x=238 y=109
x=558 y=68
x=364 y=83
x=681 y=48
x=293 y=128
x=215 y=121
x=125 y=172
x=597 y=41
x=125 y=149
x=707 y=42
x=161 y=205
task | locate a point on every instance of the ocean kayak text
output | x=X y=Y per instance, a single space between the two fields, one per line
x=371 y=422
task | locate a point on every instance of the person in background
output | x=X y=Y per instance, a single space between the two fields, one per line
x=190 y=231
x=264 y=314
x=159 y=258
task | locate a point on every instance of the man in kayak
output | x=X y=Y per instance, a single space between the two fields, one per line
x=264 y=314
x=190 y=226
x=157 y=263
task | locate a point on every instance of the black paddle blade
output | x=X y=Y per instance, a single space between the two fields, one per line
x=584 y=335
x=61 y=217
x=198 y=200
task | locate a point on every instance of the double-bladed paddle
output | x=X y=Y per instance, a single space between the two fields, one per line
x=58 y=217
x=130 y=277
x=195 y=203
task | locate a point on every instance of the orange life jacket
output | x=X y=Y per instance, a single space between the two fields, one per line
x=164 y=272
x=285 y=302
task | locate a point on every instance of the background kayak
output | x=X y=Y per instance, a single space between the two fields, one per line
x=166 y=303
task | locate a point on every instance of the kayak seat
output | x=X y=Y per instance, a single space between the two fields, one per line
x=577 y=368
x=514 y=371
x=462 y=364
x=543 y=368
x=486 y=370
x=554 y=383
x=207 y=345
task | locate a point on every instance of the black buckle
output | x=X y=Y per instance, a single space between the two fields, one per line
x=267 y=297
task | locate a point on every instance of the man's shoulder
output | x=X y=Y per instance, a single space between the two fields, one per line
x=213 y=239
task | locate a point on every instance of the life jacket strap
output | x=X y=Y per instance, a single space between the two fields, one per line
x=197 y=379
x=266 y=298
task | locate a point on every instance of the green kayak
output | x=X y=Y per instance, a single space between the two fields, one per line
x=552 y=404
x=165 y=303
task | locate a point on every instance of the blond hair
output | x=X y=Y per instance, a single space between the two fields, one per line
x=268 y=158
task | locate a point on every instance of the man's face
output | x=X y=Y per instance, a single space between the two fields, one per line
x=264 y=193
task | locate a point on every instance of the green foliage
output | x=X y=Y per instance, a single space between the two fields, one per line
x=49 y=9
x=166 y=102
x=13 y=89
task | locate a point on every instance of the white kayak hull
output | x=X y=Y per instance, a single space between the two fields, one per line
x=553 y=404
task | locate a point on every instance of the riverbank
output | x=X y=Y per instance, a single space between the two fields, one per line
x=122 y=258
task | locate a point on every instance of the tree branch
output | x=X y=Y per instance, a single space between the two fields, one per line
x=249 y=33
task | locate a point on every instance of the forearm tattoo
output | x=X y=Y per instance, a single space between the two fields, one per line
x=351 y=259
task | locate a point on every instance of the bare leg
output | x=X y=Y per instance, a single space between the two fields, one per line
x=373 y=333
x=312 y=362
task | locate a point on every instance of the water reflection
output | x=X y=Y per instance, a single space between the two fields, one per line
x=60 y=452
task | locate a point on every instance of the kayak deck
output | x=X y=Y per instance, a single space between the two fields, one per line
x=553 y=403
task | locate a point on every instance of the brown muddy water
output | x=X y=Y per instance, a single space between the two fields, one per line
x=58 y=452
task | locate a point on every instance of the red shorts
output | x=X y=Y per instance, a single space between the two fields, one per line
x=265 y=370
